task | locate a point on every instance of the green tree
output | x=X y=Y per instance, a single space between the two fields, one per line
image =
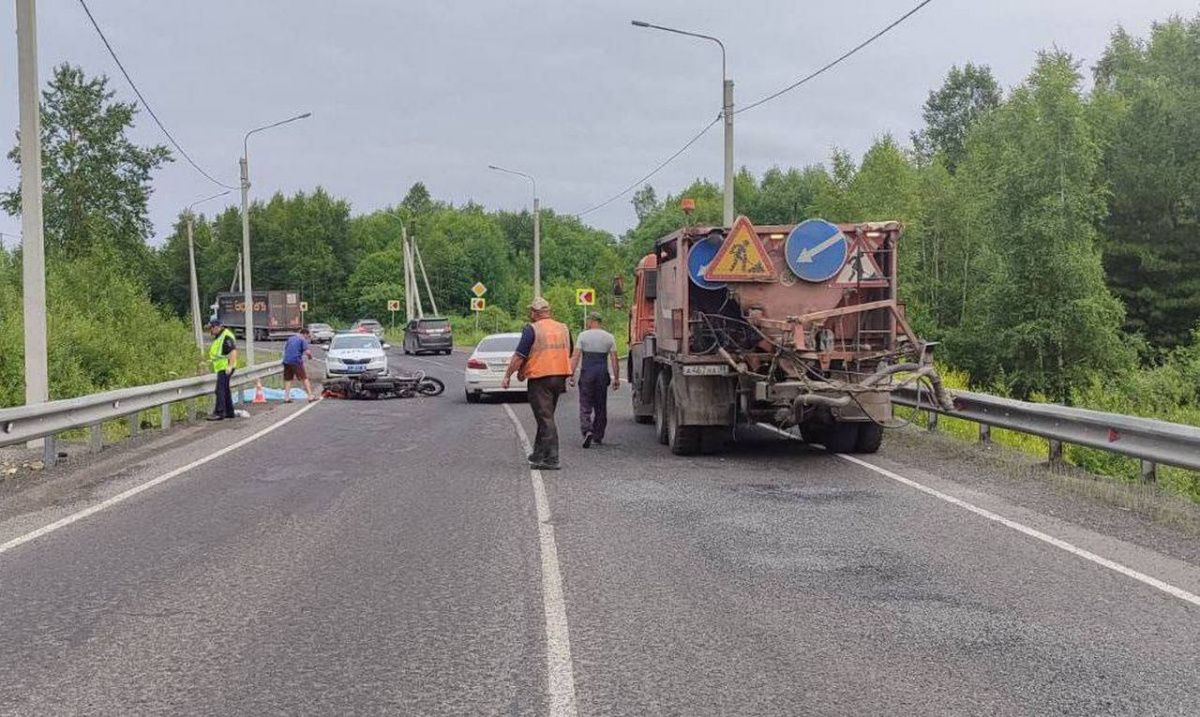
x=1041 y=319
x=966 y=94
x=1148 y=93
x=96 y=181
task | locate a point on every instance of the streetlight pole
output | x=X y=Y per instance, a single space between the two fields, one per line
x=726 y=111
x=537 y=232
x=248 y=293
x=192 y=268
x=33 y=249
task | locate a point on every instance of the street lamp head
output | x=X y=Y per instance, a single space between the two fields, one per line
x=492 y=166
x=639 y=23
x=306 y=115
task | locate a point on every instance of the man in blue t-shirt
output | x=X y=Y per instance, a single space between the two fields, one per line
x=294 y=352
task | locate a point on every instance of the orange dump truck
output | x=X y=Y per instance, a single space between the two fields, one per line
x=788 y=325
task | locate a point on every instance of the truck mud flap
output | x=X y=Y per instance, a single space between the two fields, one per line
x=705 y=400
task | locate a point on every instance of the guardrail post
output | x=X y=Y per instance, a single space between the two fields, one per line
x=1149 y=472
x=1056 y=451
x=166 y=416
x=49 y=451
x=96 y=437
x=931 y=422
x=135 y=424
x=985 y=433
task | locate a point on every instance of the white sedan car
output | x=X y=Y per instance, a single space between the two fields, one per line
x=485 y=368
x=353 y=354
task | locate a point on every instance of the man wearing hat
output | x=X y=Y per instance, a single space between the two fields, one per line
x=596 y=349
x=222 y=355
x=543 y=359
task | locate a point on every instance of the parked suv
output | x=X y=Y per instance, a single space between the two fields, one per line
x=428 y=334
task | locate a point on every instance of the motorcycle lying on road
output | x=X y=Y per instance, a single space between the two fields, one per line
x=375 y=385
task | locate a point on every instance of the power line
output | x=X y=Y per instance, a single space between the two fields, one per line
x=146 y=104
x=653 y=172
x=831 y=65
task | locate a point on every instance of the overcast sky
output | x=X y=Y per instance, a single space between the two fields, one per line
x=567 y=91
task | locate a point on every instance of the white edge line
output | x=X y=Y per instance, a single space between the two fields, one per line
x=1020 y=528
x=559 y=668
x=126 y=495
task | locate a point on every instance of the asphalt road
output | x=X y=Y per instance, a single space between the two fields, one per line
x=387 y=558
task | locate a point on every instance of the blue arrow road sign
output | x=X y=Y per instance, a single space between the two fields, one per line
x=815 y=250
x=699 y=256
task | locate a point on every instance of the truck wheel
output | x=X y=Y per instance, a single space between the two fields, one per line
x=684 y=440
x=870 y=437
x=838 y=438
x=660 y=407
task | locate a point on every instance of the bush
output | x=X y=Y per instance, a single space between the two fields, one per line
x=104 y=333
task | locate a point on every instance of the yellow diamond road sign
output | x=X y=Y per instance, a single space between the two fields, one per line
x=478 y=304
x=479 y=289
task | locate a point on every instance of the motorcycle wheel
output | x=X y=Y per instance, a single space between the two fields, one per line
x=430 y=386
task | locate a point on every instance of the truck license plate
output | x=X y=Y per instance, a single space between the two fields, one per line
x=718 y=369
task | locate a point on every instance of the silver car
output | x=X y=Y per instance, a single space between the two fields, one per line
x=485 y=368
x=320 y=333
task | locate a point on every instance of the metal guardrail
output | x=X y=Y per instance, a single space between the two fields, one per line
x=1152 y=441
x=45 y=420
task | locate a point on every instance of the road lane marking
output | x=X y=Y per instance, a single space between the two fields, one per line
x=1019 y=527
x=559 y=668
x=126 y=495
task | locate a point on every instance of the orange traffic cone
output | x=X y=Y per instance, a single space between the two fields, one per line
x=259 y=396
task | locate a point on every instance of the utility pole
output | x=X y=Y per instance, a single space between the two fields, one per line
x=191 y=217
x=248 y=285
x=195 y=290
x=727 y=214
x=410 y=311
x=33 y=249
x=421 y=264
x=726 y=111
x=537 y=228
x=247 y=294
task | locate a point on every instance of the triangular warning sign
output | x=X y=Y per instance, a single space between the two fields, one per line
x=742 y=256
x=860 y=269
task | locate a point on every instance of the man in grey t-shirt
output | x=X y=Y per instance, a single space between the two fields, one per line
x=595 y=348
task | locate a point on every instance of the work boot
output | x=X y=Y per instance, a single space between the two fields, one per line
x=544 y=466
x=587 y=439
x=214 y=418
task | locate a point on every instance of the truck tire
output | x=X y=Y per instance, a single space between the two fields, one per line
x=870 y=437
x=684 y=440
x=661 y=393
x=473 y=397
x=838 y=438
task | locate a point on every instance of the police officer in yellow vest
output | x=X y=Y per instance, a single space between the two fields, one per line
x=543 y=360
x=222 y=355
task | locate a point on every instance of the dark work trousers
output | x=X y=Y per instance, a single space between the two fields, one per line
x=543 y=399
x=593 y=401
x=223 y=406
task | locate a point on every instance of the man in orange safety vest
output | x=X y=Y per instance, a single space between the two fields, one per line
x=543 y=360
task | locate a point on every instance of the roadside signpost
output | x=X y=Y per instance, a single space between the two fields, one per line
x=478 y=303
x=585 y=298
x=478 y=290
x=393 y=306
